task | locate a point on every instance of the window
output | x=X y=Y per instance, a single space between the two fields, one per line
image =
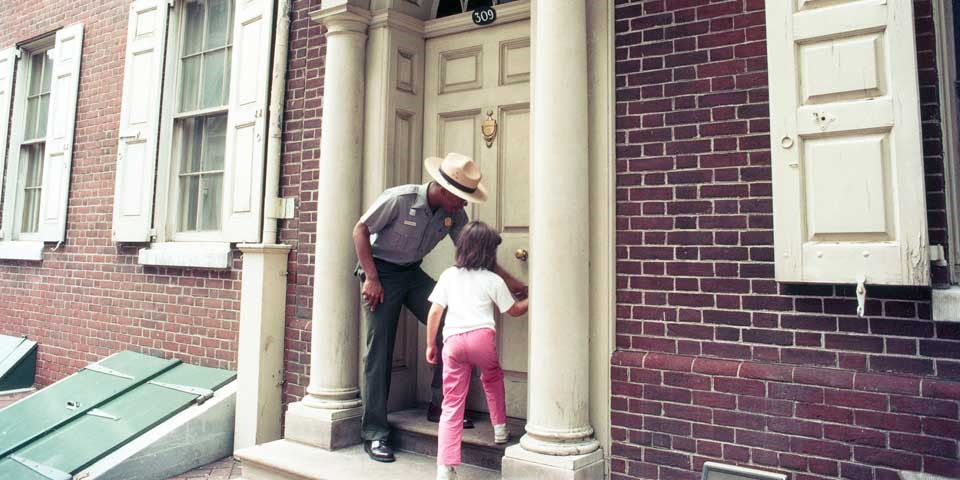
x=201 y=120
x=38 y=96
x=201 y=172
x=30 y=184
x=191 y=149
x=446 y=8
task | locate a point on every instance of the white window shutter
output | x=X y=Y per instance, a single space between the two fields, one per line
x=60 y=127
x=246 y=122
x=848 y=189
x=8 y=58
x=139 y=118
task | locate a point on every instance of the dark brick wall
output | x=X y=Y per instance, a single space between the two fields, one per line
x=716 y=360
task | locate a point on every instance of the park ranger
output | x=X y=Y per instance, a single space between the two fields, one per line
x=391 y=239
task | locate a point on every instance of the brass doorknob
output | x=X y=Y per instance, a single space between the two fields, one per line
x=521 y=255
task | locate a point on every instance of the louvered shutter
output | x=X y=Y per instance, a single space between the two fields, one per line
x=139 y=119
x=246 y=122
x=848 y=191
x=60 y=128
x=8 y=58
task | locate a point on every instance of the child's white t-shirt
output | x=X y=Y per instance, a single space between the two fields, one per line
x=469 y=296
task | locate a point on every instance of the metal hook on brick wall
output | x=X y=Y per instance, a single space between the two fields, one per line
x=861 y=295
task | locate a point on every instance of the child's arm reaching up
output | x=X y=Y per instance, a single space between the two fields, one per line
x=519 y=308
x=433 y=324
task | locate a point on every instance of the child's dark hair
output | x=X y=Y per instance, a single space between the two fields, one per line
x=477 y=247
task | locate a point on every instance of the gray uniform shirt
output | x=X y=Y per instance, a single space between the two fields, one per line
x=404 y=228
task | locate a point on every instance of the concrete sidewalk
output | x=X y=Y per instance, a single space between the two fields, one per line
x=226 y=469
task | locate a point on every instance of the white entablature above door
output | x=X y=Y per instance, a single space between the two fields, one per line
x=422 y=10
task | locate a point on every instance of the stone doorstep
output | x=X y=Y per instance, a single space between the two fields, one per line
x=412 y=432
x=287 y=460
x=414 y=436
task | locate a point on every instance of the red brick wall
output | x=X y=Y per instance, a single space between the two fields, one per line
x=716 y=360
x=91 y=298
x=300 y=166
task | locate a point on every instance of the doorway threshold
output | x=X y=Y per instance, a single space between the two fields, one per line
x=412 y=432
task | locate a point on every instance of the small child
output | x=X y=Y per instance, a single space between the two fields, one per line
x=469 y=290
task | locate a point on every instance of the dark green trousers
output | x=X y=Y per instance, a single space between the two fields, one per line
x=403 y=286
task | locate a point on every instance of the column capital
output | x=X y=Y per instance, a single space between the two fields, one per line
x=343 y=19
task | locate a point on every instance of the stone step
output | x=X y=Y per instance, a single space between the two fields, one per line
x=288 y=460
x=412 y=432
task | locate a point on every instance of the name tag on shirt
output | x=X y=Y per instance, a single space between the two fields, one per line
x=409 y=222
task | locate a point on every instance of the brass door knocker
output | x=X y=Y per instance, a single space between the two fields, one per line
x=489 y=129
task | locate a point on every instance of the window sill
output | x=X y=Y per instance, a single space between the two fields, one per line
x=910 y=475
x=946 y=304
x=19 y=250
x=186 y=254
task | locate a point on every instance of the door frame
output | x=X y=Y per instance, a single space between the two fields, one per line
x=395 y=73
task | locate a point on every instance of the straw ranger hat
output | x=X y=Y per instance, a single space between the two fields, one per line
x=459 y=174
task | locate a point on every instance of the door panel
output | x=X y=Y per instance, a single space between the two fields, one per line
x=406 y=169
x=470 y=77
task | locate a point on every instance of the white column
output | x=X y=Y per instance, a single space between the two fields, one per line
x=329 y=415
x=263 y=300
x=559 y=442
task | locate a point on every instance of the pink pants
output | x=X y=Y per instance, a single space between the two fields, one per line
x=460 y=354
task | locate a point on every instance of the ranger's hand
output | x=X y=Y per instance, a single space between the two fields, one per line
x=372 y=293
x=432 y=357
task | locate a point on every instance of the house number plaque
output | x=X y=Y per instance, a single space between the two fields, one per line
x=484 y=16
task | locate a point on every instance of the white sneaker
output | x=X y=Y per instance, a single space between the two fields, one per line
x=500 y=433
x=445 y=472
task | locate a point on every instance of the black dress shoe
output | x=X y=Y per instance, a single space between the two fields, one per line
x=379 y=450
x=433 y=415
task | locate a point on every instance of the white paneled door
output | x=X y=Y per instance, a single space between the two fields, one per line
x=472 y=78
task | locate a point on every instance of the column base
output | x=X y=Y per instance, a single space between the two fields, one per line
x=326 y=429
x=519 y=463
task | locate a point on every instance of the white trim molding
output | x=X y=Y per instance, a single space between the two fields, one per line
x=949 y=128
x=16 y=250
x=945 y=304
x=397 y=21
x=603 y=256
x=187 y=254
x=910 y=475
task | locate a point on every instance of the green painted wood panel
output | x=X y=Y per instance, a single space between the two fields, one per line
x=18 y=368
x=18 y=362
x=8 y=344
x=10 y=470
x=51 y=407
x=86 y=439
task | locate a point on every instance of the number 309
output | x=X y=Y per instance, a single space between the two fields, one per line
x=484 y=16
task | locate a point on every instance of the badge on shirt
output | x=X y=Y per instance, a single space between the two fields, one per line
x=411 y=223
x=413 y=212
x=447 y=221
